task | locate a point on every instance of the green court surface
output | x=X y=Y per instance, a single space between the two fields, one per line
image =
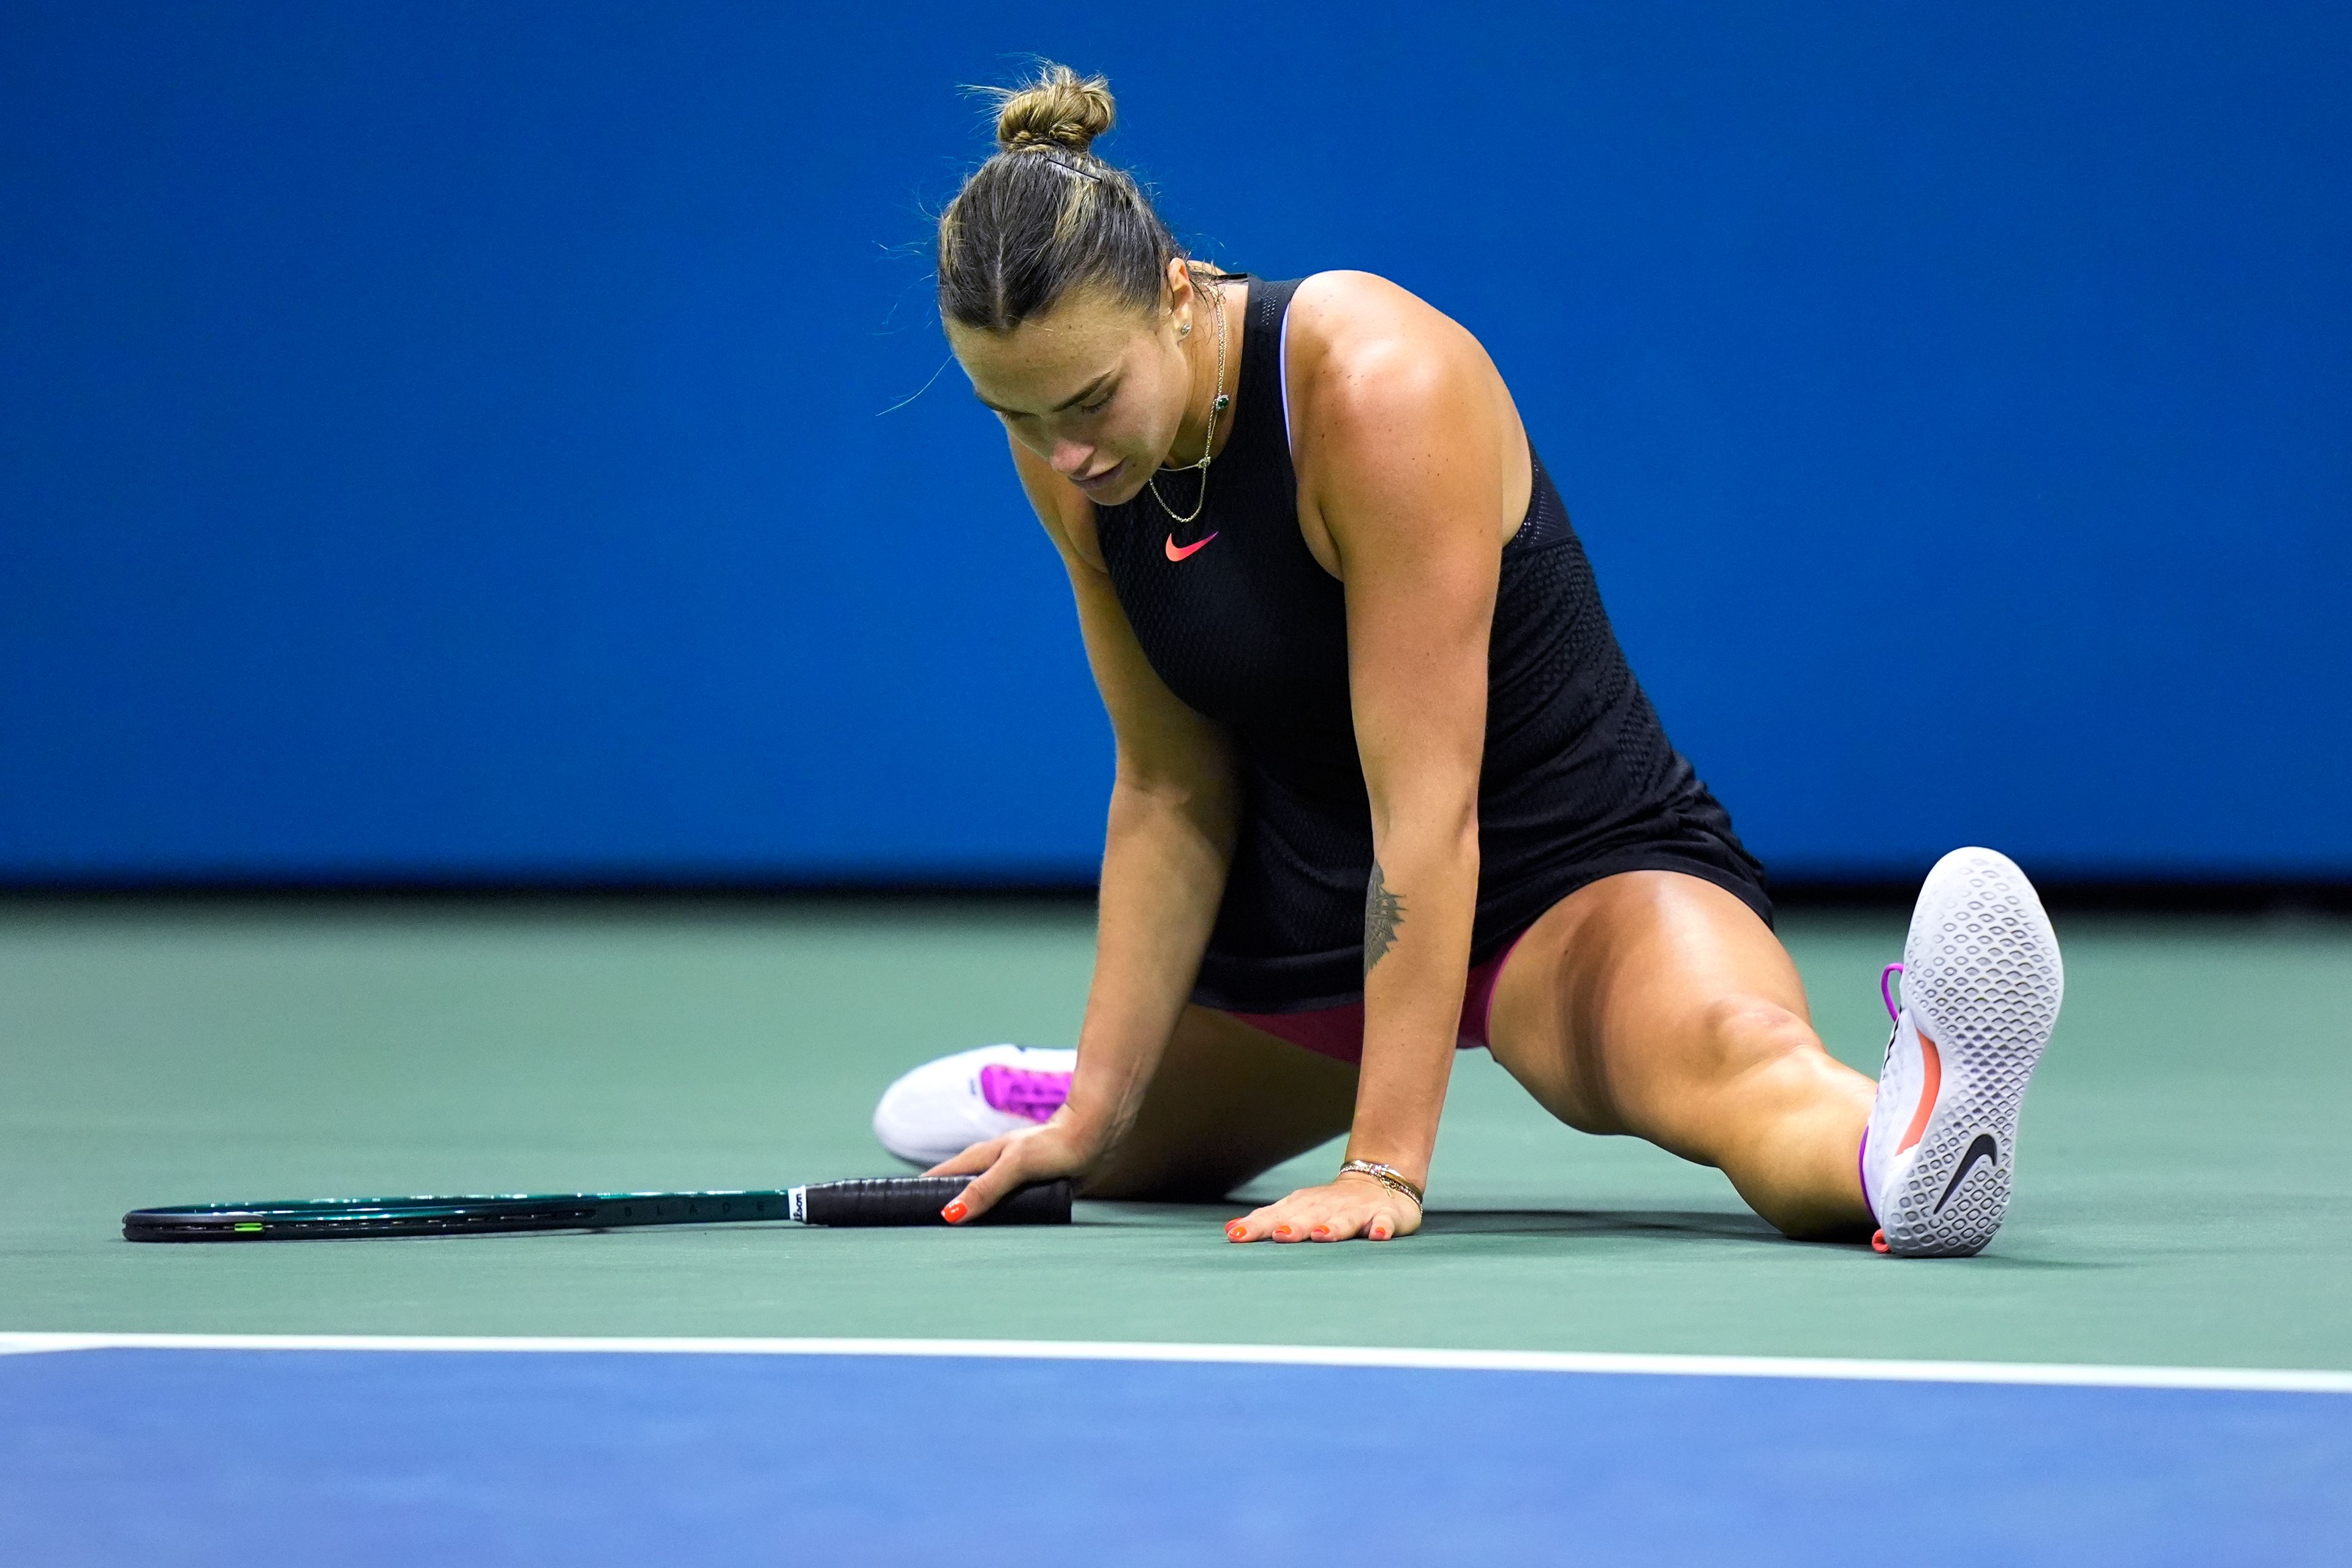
x=2184 y=1191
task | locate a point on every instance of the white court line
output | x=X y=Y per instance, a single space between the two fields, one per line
x=2256 y=1380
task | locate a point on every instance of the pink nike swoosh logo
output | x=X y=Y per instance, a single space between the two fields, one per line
x=1176 y=554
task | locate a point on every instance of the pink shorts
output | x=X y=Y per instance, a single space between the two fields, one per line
x=1339 y=1032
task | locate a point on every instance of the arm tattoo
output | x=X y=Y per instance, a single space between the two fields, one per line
x=1383 y=912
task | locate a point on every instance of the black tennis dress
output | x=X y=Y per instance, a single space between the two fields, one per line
x=1579 y=781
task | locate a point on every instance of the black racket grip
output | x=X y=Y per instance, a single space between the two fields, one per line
x=917 y=1200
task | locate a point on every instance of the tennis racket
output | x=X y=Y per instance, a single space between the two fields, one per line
x=889 y=1200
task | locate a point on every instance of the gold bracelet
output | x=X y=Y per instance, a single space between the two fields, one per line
x=1389 y=1176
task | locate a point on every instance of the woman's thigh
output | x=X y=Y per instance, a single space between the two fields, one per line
x=1636 y=1004
x=1228 y=1103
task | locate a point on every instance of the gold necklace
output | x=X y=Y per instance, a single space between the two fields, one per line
x=1217 y=405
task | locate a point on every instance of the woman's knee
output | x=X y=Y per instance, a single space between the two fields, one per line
x=1744 y=1060
x=1750 y=1036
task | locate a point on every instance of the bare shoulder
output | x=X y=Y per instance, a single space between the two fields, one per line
x=1358 y=343
x=1347 y=307
x=1391 y=397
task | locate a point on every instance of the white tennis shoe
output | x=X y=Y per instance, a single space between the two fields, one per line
x=946 y=1106
x=1982 y=980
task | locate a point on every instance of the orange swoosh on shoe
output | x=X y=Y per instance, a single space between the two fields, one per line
x=1928 y=1090
x=1176 y=554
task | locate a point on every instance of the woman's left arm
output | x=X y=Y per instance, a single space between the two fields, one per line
x=1403 y=436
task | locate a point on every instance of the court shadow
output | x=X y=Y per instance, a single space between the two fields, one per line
x=1711 y=1224
x=1688 y=1224
x=1678 y=1224
x=1683 y=1225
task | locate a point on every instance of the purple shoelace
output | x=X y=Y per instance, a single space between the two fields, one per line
x=1022 y=1092
x=1862 y=1155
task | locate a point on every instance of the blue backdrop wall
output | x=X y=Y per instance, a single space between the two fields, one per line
x=467 y=440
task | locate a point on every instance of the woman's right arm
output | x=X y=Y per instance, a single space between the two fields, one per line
x=1174 y=807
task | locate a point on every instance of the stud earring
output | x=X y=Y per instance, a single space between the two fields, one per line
x=1183 y=328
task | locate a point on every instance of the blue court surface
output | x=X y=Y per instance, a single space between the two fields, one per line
x=188 y=1450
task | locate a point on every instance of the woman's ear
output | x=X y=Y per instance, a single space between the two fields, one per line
x=1176 y=294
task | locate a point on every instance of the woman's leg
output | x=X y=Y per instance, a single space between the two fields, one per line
x=1228 y=1103
x=1658 y=1005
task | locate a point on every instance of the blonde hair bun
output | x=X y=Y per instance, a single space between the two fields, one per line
x=1046 y=216
x=1056 y=108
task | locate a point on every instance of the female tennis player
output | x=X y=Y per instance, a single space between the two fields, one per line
x=1385 y=785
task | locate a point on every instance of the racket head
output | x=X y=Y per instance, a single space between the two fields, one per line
x=325 y=1219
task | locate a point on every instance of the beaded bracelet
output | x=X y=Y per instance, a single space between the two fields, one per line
x=1389 y=1176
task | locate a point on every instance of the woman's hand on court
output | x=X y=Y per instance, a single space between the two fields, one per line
x=1000 y=1165
x=1343 y=1210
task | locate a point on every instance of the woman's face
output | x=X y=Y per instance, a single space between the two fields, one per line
x=1094 y=387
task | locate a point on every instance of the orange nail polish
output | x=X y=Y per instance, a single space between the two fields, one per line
x=953 y=1213
x=1380 y=1232
x=1235 y=1231
x=1322 y=1230
x=1282 y=1230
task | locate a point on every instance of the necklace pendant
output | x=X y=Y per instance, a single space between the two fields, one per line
x=1223 y=402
